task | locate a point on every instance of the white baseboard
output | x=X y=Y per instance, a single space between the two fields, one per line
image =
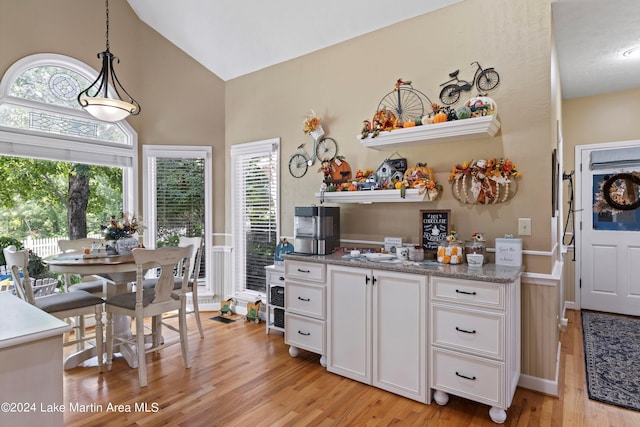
x=538 y=384
x=543 y=385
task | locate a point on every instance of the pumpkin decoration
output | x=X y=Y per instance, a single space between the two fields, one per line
x=386 y=119
x=421 y=178
x=341 y=170
x=440 y=117
x=481 y=105
x=463 y=112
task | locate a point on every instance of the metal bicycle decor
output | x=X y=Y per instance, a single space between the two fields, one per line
x=405 y=102
x=484 y=79
x=324 y=150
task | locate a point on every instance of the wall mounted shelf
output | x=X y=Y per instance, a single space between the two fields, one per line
x=372 y=196
x=457 y=130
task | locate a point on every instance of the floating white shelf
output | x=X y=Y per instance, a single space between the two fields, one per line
x=372 y=196
x=456 y=130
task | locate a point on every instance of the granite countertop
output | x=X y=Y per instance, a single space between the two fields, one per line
x=487 y=273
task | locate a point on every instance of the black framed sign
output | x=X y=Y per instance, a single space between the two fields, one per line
x=434 y=228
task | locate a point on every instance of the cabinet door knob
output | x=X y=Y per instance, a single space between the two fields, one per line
x=281 y=278
x=465 y=331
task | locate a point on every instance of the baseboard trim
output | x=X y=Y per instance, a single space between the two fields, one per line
x=543 y=385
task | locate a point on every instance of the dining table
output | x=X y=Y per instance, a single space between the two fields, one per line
x=118 y=273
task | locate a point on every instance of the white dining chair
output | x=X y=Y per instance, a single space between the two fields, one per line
x=62 y=306
x=193 y=274
x=92 y=284
x=151 y=302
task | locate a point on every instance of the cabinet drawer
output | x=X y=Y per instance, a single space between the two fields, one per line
x=305 y=299
x=275 y=277
x=469 y=292
x=476 y=332
x=470 y=377
x=305 y=333
x=312 y=271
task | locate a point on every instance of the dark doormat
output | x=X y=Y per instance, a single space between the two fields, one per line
x=612 y=357
x=222 y=319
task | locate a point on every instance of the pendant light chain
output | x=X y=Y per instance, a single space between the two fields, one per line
x=96 y=100
x=106 y=3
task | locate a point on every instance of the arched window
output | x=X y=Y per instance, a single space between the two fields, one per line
x=40 y=118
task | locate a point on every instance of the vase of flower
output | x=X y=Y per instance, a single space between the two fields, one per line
x=121 y=233
x=125 y=245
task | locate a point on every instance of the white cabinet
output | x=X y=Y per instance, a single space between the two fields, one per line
x=275 y=298
x=305 y=308
x=377 y=329
x=475 y=342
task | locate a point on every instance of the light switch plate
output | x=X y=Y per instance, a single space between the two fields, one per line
x=524 y=226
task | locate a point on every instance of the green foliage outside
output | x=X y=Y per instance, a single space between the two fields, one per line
x=34 y=196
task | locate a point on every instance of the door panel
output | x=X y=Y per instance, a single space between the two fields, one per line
x=609 y=246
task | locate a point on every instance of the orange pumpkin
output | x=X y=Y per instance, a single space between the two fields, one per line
x=408 y=124
x=440 y=118
x=420 y=170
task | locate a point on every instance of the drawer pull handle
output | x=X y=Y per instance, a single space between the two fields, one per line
x=465 y=377
x=306 y=334
x=304 y=299
x=458 y=291
x=304 y=271
x=465 y=331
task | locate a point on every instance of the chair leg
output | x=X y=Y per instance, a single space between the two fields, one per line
x=80 y=333
x=109 y=340
x=184 y=342
x=142 y=366
x=99 y=337
x=196 y=311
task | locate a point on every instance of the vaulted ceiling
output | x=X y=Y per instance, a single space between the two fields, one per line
x=233 y=38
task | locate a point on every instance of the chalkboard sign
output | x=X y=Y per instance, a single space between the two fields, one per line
x=434 y=228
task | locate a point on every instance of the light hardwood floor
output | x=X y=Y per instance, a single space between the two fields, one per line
x=242 y=377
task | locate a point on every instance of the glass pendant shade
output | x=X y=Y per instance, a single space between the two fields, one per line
x=108 y=109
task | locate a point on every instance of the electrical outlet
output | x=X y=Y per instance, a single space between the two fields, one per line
x=524 y=226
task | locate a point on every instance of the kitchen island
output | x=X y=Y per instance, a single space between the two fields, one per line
x=31 y=360
x=409 y=327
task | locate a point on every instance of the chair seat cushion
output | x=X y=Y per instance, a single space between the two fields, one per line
x=151 y=283
x=92 y=286
x=67 y=301
x=128 y=300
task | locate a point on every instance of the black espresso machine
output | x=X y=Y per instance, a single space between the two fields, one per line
x=317 y=229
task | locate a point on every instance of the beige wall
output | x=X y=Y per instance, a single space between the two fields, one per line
x=182 y=102
x=344 y=84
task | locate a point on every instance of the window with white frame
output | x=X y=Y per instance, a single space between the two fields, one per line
x=254 y=213
x=40 y=119
x=177 y=184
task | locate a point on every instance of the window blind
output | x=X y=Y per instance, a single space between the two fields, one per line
x=255 y=212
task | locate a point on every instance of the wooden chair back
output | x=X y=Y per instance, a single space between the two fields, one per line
x=194 y=259
x=77 y=245
x=167 y=258
x=17 y=261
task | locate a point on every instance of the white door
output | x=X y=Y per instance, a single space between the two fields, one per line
x=608 y=241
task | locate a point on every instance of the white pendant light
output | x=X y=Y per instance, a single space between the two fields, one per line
x=96 y=100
